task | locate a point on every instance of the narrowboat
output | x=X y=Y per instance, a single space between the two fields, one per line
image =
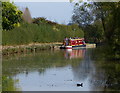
x=73 y=43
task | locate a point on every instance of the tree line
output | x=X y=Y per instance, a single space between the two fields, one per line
x=100 y=23
x=20 y=28
x=98 y=20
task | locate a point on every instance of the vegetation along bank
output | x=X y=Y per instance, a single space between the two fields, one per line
x=20 y=33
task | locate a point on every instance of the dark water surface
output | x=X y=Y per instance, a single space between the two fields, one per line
x=62 y=70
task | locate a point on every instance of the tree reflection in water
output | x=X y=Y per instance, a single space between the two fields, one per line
x=97 y=73
x=87 y=66
x=108 y=71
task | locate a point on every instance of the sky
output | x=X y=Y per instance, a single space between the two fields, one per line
x=60 y=12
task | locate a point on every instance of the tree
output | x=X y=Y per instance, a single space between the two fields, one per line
x=11 y=16
x=0 y=15
x=82 y=14
x=94 y=32
x=39 y=20
x=42 y=20
x=86 y=16
x=106 y=12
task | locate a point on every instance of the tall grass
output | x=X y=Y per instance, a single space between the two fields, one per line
x=43 y=33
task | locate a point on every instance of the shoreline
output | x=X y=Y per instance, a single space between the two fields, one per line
x=33 y=47
x=26 y=48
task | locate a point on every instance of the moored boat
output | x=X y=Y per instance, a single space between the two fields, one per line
x=73 y=43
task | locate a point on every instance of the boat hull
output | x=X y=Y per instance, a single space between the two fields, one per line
x=72 y=47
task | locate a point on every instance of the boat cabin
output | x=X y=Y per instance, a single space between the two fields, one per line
x=73 y=41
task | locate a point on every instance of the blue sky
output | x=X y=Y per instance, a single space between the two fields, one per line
x=60 y=12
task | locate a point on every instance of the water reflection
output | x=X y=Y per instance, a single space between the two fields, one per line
x=76 y=53
x=85 y=72
x=59 y=70
x=85 y=67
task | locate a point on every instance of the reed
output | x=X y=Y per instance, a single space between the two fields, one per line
x=43 y=33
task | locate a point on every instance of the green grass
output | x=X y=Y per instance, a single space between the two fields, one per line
x=43 y=33
x=8 y=84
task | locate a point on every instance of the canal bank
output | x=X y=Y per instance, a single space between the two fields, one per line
x=33 y=47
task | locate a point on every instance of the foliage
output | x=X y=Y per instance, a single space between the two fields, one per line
x=11 y=16
x=112 y=29
x=42 y=20
x=43 y=33
x=82 y=14
x=110 y=68
x=0 y=15
x=0 y=23
x=8 y=84
x=107 y=30
x=85 y=16
x=94 y=33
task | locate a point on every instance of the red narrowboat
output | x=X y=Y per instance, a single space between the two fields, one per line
x=70 y=43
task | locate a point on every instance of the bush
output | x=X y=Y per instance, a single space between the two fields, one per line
x=43 y=33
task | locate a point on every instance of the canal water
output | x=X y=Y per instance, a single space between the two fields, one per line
x=61 y=70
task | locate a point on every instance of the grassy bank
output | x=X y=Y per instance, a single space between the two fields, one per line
x=43 y=33
x=33 y=47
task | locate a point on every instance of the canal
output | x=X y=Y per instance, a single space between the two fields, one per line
x=60 y=70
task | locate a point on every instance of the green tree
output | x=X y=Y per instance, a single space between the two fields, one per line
x=106 y=12
x=86 y=16
x=40 y=20
x=94 y=32
x=11 y=16
x=109 y=14
x=83 y=14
